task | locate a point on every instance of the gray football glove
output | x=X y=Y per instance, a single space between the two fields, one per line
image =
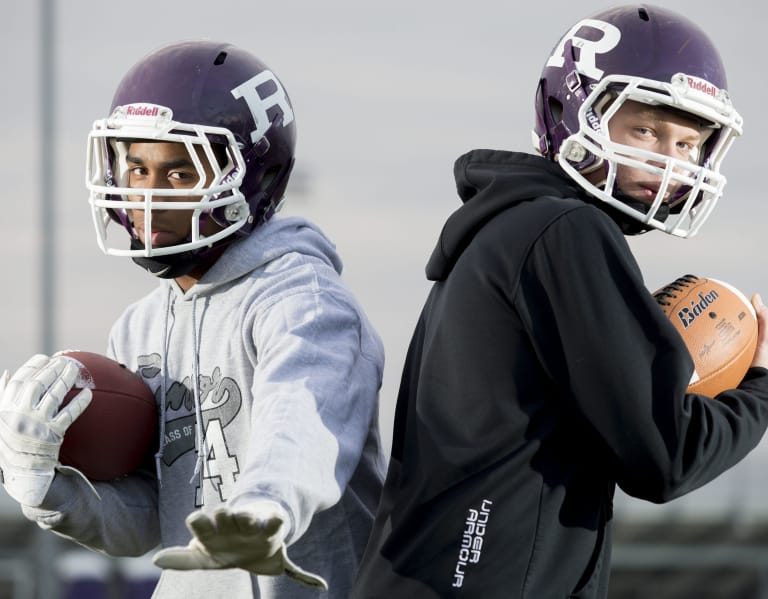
x=251 y=539
x=32 y=425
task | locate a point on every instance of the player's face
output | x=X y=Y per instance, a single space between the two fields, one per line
x=658 y=130
x=163 y=165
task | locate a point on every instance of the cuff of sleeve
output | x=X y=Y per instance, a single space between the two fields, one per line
x=755 y=372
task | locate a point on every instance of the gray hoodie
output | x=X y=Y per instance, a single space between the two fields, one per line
x=272 y=360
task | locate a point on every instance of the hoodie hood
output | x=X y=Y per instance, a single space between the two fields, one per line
x=273 y=239
x=489 y=182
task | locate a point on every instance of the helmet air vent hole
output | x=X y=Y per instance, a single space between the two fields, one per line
x=220 y=58
x=643 y=14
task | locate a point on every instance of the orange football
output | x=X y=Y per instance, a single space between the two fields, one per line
x=719 y=327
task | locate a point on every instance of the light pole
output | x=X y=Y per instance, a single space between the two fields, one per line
x=45 y=545
x=47 y=144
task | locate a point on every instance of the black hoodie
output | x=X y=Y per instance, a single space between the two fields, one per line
x=541 y=374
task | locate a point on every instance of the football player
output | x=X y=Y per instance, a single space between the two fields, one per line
x=265 y=369
x=541 y=372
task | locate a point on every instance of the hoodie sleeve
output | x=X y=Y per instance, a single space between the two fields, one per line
x=621 y=363
x=315 y=396
x=121 y=521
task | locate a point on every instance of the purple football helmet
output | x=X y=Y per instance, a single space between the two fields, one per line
x=235 y=119
x=644 y=54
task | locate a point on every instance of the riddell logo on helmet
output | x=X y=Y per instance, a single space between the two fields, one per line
x=689 y=314
x=703 y=86
x=593 y=119
x=141 y=110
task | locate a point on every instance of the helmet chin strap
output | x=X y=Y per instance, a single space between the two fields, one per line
x=628 y=224
x=170 y=266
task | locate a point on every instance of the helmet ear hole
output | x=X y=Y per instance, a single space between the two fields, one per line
x=269 y=176
x=270 y=191
x=555 y=109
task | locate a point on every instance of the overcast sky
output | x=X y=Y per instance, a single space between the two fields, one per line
x=387 y=95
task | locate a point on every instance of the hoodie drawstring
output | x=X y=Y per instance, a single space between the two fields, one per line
x=163 y=389
x=199 y=437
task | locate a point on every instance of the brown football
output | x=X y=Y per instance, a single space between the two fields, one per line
x=719 y=327
x=118 y=430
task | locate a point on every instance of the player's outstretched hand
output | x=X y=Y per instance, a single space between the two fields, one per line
x=761 y=352
x=32 y=424
x=251 y=539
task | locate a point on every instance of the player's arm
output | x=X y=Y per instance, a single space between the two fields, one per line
x=314 y=394
x=625 y=368
x=118 y=518
x=121 y=521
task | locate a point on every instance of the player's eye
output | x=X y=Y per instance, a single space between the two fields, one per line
x=137 y=171
x=183 y=176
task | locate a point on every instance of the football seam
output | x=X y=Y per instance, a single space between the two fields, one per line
x=123 y=395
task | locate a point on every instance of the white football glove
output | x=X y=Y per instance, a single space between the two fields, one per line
x=251 y=539
x=32 y=426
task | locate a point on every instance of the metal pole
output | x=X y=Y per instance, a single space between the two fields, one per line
x=45 y=545
x=47 y=138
